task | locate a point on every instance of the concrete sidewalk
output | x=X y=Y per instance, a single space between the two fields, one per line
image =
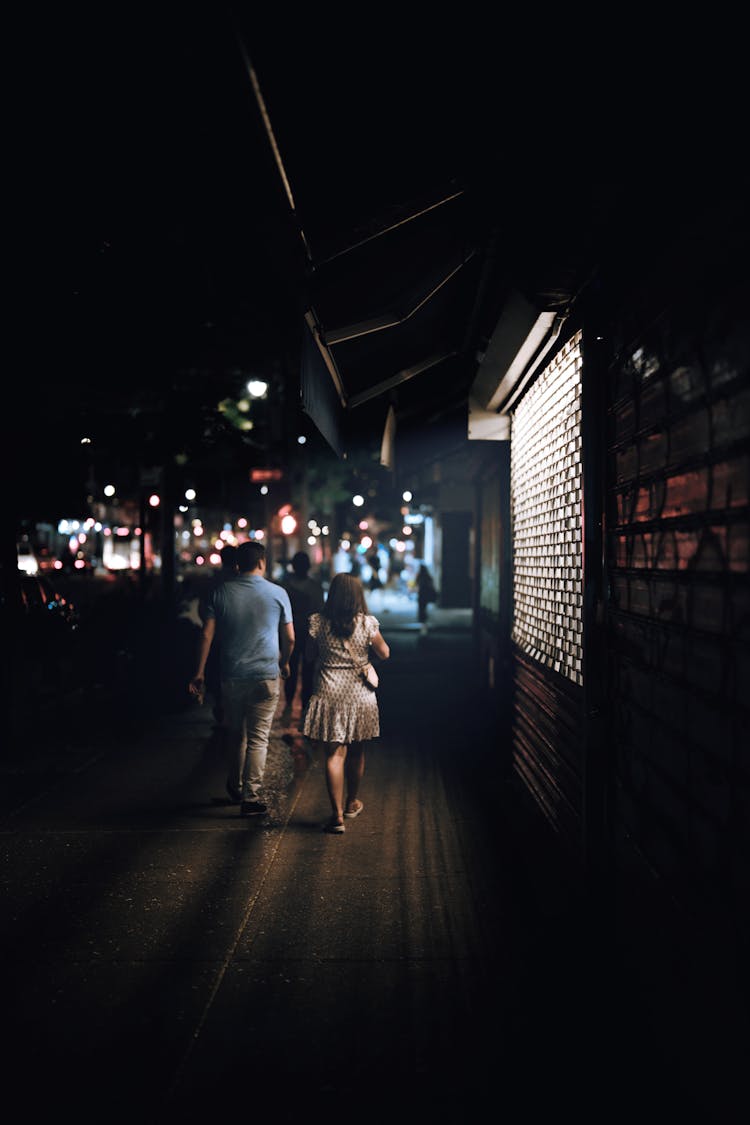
x=162 y=957
x=166 y=960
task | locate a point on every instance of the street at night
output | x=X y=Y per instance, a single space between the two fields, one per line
x=418 y=347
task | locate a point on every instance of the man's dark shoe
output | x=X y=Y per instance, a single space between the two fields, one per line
x=253 y=808
x=235 y=794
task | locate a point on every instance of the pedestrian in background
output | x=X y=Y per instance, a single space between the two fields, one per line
x=343 y=714
x=306 y=595
x=184 y=640
x=252 y=618
x=426 y=594
x=213 y=664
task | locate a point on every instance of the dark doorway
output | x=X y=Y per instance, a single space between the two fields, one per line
x=455 y=585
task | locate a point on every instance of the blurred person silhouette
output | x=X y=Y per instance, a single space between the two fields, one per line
x=343 y=714
x=306 y=596
x=252 y=619
x=189 y=605
x=374 y=561
x=426 y=594
x=188 y=626
x=213 y=664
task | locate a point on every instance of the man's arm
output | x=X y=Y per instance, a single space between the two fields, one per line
x=286 y=644
x=197 y=685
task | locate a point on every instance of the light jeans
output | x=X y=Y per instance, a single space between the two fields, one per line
x=249 y=708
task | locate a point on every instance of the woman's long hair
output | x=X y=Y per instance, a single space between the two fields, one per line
x=346 y=599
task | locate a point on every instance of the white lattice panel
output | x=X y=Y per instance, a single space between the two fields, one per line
x=546 y=514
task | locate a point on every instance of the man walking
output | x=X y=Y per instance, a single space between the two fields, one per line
x=252 y=619
x=306 y=595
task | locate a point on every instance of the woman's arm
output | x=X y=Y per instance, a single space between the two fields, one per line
x=379 y=646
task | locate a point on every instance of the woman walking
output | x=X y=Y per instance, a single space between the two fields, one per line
x=342 y=714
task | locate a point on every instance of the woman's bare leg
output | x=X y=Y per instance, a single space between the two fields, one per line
x=354 y=768
x=335 y=759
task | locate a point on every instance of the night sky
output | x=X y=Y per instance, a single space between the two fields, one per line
x=159 y=253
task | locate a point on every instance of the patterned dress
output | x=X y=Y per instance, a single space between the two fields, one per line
x=341 y=708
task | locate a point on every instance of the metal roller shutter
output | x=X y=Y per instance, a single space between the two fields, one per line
x=547 y=631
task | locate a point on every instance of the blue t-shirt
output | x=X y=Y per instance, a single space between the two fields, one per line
x=249 y=612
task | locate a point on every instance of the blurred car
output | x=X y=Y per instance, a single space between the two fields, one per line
x=48 y=561
x=82 y=563
x=76 y=563
x=27 y=560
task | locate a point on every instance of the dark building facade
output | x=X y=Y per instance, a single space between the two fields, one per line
x=610 y=563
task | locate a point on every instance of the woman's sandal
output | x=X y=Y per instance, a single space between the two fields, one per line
x=333 y=825
x=354 y=812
